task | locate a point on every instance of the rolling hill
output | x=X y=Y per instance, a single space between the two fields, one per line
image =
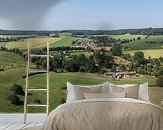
x=153 y=42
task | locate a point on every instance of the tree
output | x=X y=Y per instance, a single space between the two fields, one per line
x=116 y=49
x=123 y=67
x=160 y=81
x=13 y=99
x=102 y=40
x=108 y=61
x=17 y=89
x=82 y=59
x=139 y=58
x=72 y=65
x=139 y=38
x=160 y=72
x=90 y=64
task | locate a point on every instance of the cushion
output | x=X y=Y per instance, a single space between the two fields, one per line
x=143 y=90
x=76 y=92
x=130 y=92
x=103 y=95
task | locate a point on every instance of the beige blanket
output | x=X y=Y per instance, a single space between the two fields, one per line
x=106 y=114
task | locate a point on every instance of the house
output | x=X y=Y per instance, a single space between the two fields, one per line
x=95 y=49
x=109 y=75
x=125 y=74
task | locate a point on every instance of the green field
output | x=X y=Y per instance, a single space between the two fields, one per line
x=57 y=82
x=37 y=42
x=13 y=75
x=40 y=42
x=65 y=41
x=127 y=36
x=3 y=44
x=11 y=60
x=15 y=67
x=81 y=52
x=143 y=45
x=153 y=53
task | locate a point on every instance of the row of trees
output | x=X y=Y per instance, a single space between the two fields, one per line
x=142 y=65
x=16 y=38
x=15 y=50
x=76 y=63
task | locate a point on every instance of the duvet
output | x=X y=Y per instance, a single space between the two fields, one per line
x=106 y=114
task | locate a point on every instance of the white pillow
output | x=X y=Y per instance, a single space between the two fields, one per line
x=71 y=93
x=143 y=90
x=103 y=95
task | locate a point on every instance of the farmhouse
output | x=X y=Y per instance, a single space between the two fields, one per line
x=95 y=49
x=110 y=75
x=125 y=74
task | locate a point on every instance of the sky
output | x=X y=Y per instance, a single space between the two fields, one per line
x=80 y=14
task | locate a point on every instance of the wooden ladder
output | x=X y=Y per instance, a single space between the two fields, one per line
x=27 y=89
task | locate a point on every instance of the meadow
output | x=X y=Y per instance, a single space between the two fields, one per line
x=13 y=75
x=15 y=67
x=152 y=42
x=153 y=53
x=38 y=42
x=64 y=41
x=57 y=84
x=127 y=36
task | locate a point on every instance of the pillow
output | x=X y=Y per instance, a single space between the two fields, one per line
x=76 y=92
x=103 y=95
x=130 y=92
x=143 y=90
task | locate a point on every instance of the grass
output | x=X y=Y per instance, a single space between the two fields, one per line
x=81 y=52
x=119 y=60
x=15 y=68
x=3 y=44
x=127 y=36
x=37 y=42
x=11 y=60
x=57 y=82
x=65 y=41
x=143 y=45
x=153 y=53
x=156 y=95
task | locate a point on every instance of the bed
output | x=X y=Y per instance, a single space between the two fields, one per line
x=104 y=107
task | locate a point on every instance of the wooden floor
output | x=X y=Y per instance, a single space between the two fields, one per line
x=18 y=126
x=15 y=121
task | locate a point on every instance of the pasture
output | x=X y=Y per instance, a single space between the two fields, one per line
x=15 y=67
x=57 y=85
x=127 y=36
x=64 y=41
x=81 y=52
x=11 y=60
x=153 y=53
x=38 y=42
x=153 y=42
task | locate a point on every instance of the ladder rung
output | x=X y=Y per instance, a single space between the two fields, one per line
x=36 y=71
x=33 y=55
x=37 y=89
x=36 y=105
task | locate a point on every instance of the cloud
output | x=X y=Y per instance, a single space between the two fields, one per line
x=25 y=14
x=105 y=25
